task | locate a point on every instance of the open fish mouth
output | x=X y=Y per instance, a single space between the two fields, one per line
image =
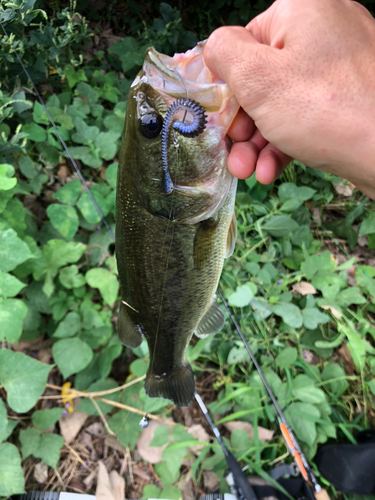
x=186 y=76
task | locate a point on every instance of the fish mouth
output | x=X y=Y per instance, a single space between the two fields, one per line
x=184 y=75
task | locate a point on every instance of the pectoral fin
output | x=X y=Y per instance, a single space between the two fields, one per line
x=127 y=332
x=232 y=236
x=212 y=322
x=204 y=242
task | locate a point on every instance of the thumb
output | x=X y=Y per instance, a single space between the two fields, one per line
x=247 y=66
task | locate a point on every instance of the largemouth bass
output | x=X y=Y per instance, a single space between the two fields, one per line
x=174 y=215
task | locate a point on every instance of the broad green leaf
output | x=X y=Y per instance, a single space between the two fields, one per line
x=6 y=180
x=106 y=143
x=44 y=419
x=64 y=219
x=317 y=263
x=241 y=297
x=332 y=372
x=12 y=314
x=355 y=344
x=304 y=428
x=312 y=317
x=24 y=379
x=165 y=475
x=107 y=356
x=180 y=434
x=171 y=492
x=237 y=355
x=30 y=440
x=87 y=92
x=368 y=224
x=111 y=174
x=174 y=458
x=3 y=419
x=125 y=425
x=162 y=435
x=69 y=326
x=87 y=406
x=39 y=115
x=151 y=491
x=70 y=277
x=69 y=193
x=13 y=251
x=106 y=282
x=349 y=296
x=88 y=209
x=14 y=216
x=71 y=355
x=279 y=226
x=35 y=132
x=85 y=134
x=10 y=285
x=86 y=155
x=59 y=253
x=303 y=388
x=11 y=473
x=28 y=167
x=371 y=386
x=49 y=449
x=290 y=314
x=286 y=357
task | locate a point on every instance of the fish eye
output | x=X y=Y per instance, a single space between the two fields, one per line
x=151 y=125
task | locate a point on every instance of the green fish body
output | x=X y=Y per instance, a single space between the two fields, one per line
x=170 y=247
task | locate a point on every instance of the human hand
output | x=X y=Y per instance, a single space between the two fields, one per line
x=304 y=73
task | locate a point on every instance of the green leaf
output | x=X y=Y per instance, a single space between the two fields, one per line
x=349 y=296
x=355 y=344
x=111 y=175
x=151 y=491
x=3 y=419
x=59 y=253
x=88 y=209
x=49 y=449
x=368 y=225
x=85 y=134
x=69 y=326
x=312 y=317
x=332 y=372
x=71 y=355
x=126 y=427
x=69 y=193
x=35 y=132
x=106 y=143
x=6 y=172
x=171 y=492
x=64 y=219
x=86 y=91
x=44 y=419
x=106 y=282
x=12 y=314
x=303 y=388
x=305 y=429
x=30 y=440
x=174 y=458
x=87 y=406
x=279 y=226
x=24 y=379
x=70 y=277
x=161 y=436
x=165 y=475
x=86 y=155
x=316 y=263
x=241 y=297
x=290 y=314
x=13 y=251
x=286 y=357
x=371 y=386
x=10 y=285
x=11 y=473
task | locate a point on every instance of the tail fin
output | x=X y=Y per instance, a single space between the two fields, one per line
x=179 y=385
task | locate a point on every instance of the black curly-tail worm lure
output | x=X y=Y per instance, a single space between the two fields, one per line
x=191 y=129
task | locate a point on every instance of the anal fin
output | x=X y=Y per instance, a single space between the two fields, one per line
x=212 y=322
x=178 y=385
x=127 y=332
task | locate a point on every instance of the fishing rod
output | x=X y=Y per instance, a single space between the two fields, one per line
x=241 y=487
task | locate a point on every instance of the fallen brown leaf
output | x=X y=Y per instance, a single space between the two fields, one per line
x=347 y=359
x=110 y=486
x=41 y=472
x=151 y=454
x=343 y=189
x=304 y=288
x=71 y=425
x=334 y=311
x=263 y=434
x=210 y=480
x=199 y=432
